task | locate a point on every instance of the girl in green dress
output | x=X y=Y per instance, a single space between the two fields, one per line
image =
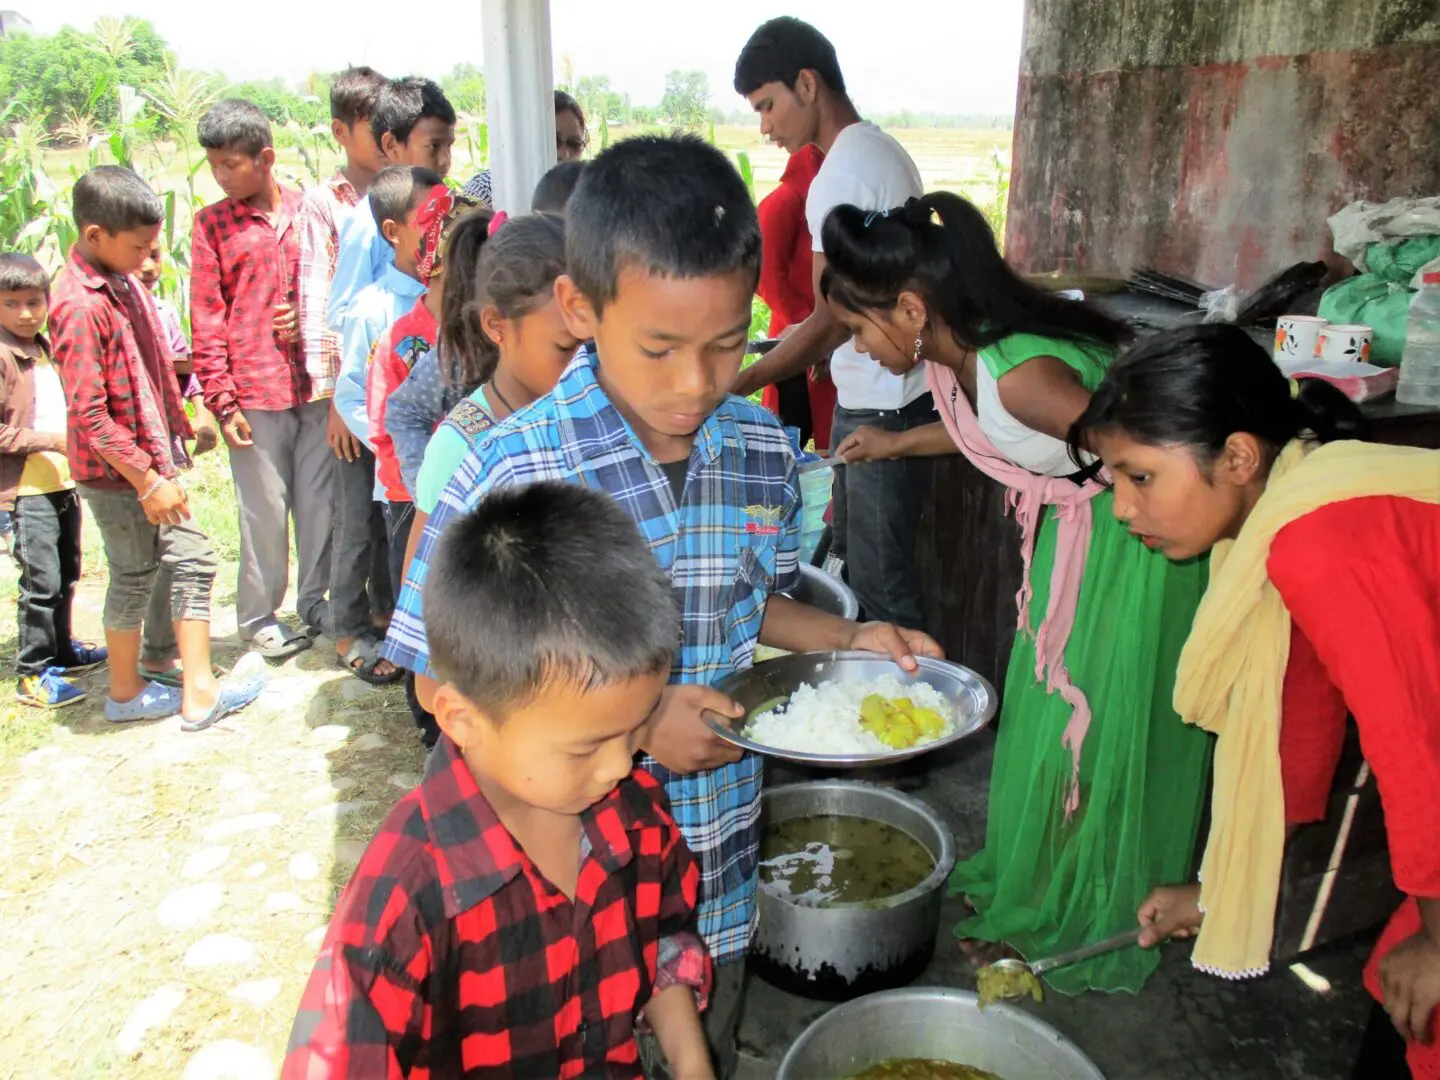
x=1097 y=785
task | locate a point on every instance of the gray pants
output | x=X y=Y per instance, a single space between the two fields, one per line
x=719 y=1021
x=159 y=574
x=287 y=473
x=877 y=516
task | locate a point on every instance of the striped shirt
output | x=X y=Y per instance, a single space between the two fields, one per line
x=732 y=541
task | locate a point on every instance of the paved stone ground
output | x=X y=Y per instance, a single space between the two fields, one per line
x=165 y=893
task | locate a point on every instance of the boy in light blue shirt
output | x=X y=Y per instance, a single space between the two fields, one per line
x=413 y=124
x=359 y=579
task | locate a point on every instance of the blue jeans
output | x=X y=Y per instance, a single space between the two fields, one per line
x=47 y=547
x=877 y=516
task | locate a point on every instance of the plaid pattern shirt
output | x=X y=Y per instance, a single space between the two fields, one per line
x=732 y=542
x=123 y=405
x=317 y=224
x=241 y=267
x=451 y=955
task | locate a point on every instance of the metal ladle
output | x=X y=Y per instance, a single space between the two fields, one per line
x=1071 y=956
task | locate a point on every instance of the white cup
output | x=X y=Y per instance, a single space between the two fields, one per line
x=1345 y=343
x=1296 y=336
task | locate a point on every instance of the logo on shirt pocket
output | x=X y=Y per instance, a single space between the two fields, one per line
x=763 y=520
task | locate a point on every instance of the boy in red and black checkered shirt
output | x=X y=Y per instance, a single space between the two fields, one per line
x=523 y=907
x=249 y=357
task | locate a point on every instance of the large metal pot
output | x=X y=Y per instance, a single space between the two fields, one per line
x=826 y=592
x=931 y=1022
x=843 y=950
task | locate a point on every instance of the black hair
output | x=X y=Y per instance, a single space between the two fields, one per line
x=528 y=558
x=565 y=103
x=782 y=48
x=1197 y=386
x=235 y=124
x=672 y=205
x=116 y=199
x=403 y=103
x=955 y=267
x=514 y=272
x=396 y=190
x=20 y=271
x=353 y=94
x=555 y=188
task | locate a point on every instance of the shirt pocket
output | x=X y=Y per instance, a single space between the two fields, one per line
x=753 y=580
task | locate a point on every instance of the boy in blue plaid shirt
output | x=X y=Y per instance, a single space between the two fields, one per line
x=663 y=249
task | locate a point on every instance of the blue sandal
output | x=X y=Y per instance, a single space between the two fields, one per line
x=243 y=686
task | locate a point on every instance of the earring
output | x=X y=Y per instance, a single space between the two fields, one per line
x=918 y=345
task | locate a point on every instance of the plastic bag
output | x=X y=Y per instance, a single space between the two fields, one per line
x=1221 y=305
x=1381 y=305
x=1357 y=226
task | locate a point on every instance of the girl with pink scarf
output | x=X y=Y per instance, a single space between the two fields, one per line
x=1096 y=782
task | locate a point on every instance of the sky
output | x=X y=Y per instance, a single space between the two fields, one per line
x=942 y=56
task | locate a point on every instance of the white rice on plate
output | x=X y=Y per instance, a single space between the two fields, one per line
x=825 y=719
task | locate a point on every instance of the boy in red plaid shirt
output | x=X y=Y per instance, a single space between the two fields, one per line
x=248 y=355
x=532 y=901
x=125 y=416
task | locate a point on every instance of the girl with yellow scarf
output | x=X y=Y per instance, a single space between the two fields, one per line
x=1324 y=570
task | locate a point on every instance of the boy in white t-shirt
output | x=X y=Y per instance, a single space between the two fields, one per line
x=789 y=73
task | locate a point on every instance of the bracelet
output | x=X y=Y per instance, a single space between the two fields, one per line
x=152 y=489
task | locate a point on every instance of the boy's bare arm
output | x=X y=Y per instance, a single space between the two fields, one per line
x=809 y=343
x=797 y=627
x=673 y=1017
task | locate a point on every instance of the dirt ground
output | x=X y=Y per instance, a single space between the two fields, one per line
x=165 y=893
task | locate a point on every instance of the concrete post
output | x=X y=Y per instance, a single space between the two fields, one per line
x=520 y=98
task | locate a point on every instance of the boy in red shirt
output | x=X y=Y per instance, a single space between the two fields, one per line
x=125 y=414
x=532 y=899
x=245 y=263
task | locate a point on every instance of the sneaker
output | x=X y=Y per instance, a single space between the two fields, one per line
x=155 y=702
x=86 y=656
x=48 y=690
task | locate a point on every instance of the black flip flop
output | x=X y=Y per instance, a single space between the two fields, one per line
x=362 y=657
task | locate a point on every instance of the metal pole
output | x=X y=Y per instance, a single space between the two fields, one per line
x=520 y=101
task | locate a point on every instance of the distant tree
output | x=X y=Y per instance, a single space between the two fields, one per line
x=465 y=87
x=282 y=104
x=600 y=100
x=56 y=78
x=686 y=101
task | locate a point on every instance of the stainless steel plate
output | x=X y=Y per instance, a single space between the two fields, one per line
x=758 y=688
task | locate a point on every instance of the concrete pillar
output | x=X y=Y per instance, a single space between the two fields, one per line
x=520 y=98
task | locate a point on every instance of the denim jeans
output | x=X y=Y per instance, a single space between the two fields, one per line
x=158 y=573
x=47 y=547
x=877 y=515
x=360 y=562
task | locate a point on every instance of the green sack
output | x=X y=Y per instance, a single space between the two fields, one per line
x=1400 y=262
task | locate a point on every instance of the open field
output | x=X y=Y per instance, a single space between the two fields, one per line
x=953 y=159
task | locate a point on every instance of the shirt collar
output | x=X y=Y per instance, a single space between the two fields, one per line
x=95 y=279
x=601 y=429
x=475 y=853
x=284 y=213
x=400 y=283
x=15 y=348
